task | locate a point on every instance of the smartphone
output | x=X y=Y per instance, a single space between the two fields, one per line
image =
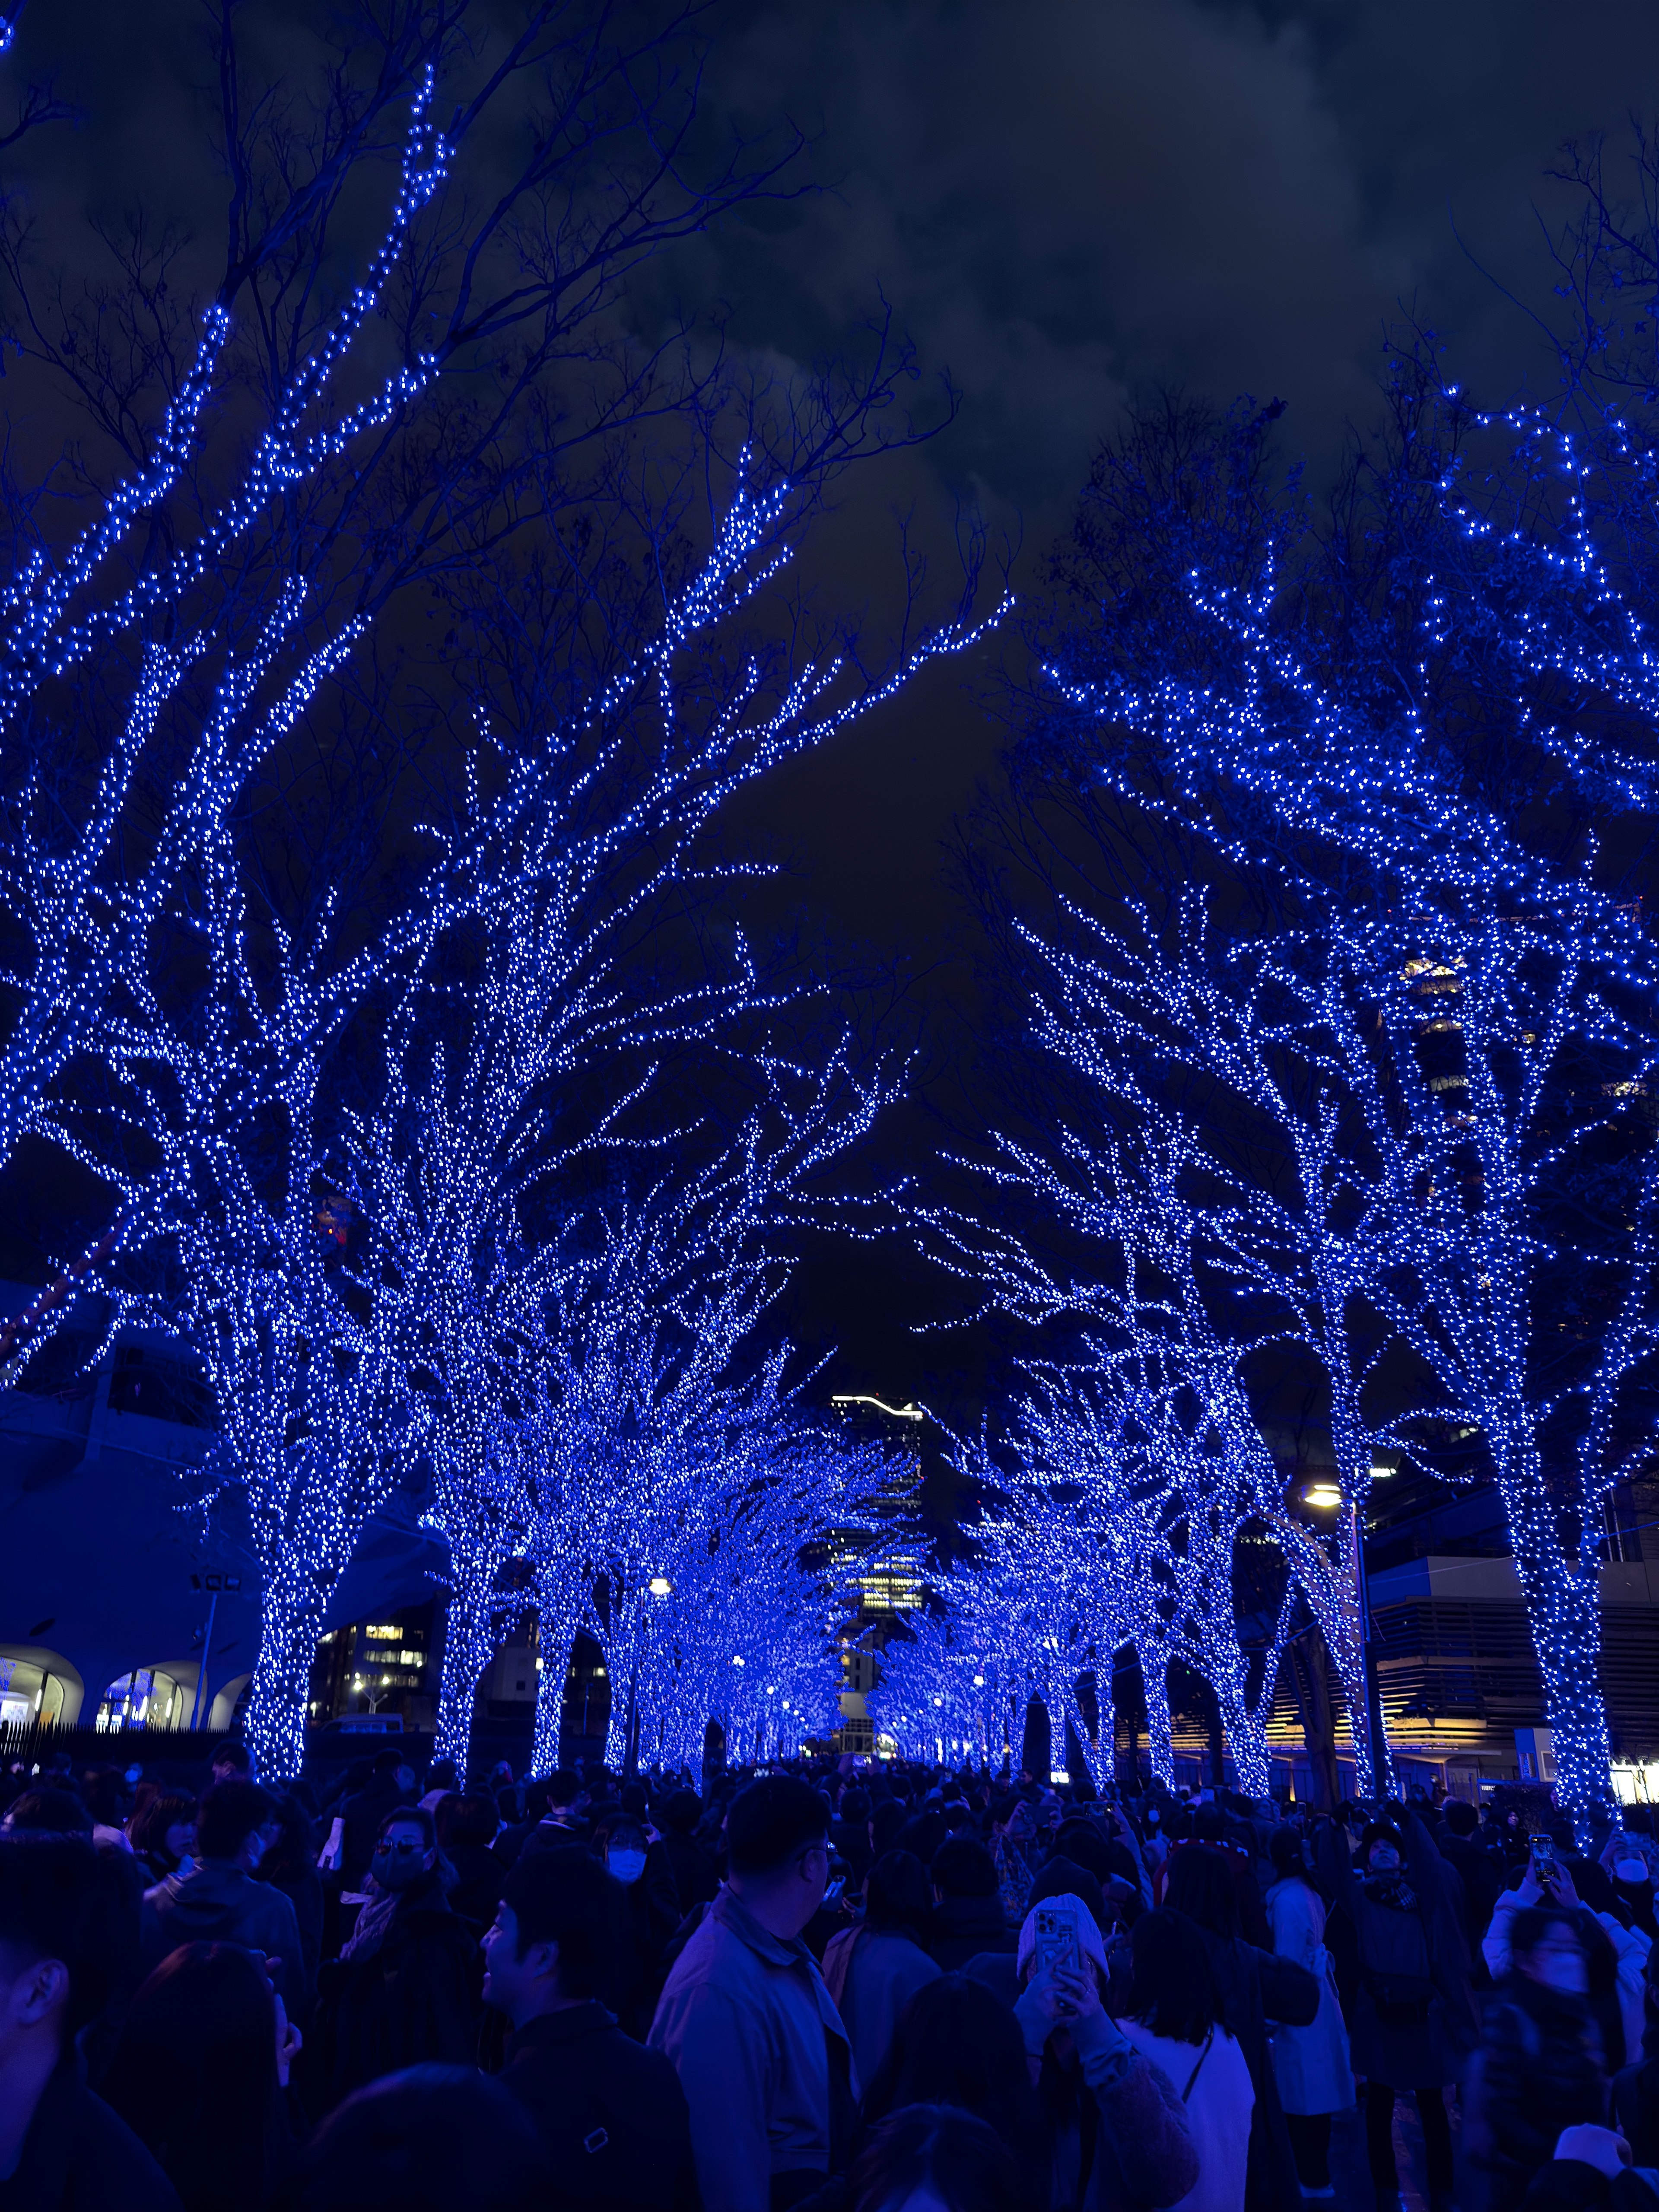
x=834 y=1888
x=1542 y=1849
x=1056 y=1942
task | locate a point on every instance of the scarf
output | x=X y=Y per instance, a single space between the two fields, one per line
x=1391 y=1889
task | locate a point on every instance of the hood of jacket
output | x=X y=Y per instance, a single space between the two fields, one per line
x=211 y=1889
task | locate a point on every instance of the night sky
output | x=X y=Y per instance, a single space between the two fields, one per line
x=1065 y=205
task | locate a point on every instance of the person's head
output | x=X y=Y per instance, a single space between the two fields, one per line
x=426 y=2140
x=1545 y=1947
x=1284 y=1849
x=47 y=1812
x=471 y=1819
x=934 y=2158
x=441 y=1775
x=405 y=1850
x=625 y=1846
x=392 y=1766
x=235 y=1820
x=957 y=2043
x=1382 y=1847
x=1462 y=1819
x=561 y=1790
x=855 y=1805
x=679 y=1813
x=777 y=1849
x=231 y=1763
x=962 y=1867
x=1015 y=1819
x=208 y=2012
x=897 y=1898
x=885 y=1820
x=1091 y=1943
x=1201 y=1884
x=1172 y=1989
x=104 y=1791
x=1062 y=1878
x=65 y=1939
x=556 y=1933
x=164 y=1826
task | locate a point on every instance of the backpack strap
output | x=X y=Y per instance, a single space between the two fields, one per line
x=1193 y=2075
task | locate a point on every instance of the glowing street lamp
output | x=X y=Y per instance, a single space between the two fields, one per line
x=1324 y=1495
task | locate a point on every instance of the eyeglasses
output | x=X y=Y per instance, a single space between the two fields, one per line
x=386 y=1847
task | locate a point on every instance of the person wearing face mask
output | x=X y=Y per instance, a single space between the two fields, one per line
x=651 y=1914
x=218 y=1901
x=405 y=1989
x=1411 y=2022
x=1018 y=1851
x=1541 y=2066
x=1617 y=1955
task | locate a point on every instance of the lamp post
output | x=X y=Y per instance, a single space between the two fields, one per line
x=1323 y=1496
x=660 y=1587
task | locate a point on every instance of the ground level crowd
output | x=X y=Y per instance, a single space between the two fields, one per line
x=817 y=1987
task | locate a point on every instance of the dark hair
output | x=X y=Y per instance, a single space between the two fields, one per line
x=680 y=1812
x=885 y=1820
x=471 y=1819
x=230 y=1753
x=1172 y=1989
x=896 y=1896
x=959 y=2161
x=1201 y=1884
x=217 y=2127
x=565 y=1896
x=228 y=1816
x=60 y=1899
x=1461 y=1819
x=103 y=1791
x=855 y=1804
x=166 y=1808
x=771 y=1820
x=294 y=1848
x=389 y=1760
x=1534 y=1922
x=957 y=2043
x=563 y=1787
x=1061 y=1878
x=410 y=1816
x=48 y=1813
x=962 y=1867
x=426 y=2140
x=441 y=1775
x=1285 y=1849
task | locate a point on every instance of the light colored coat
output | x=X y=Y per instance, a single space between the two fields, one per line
x=872 y=1973
x=1218 y=2105
x=750 y=2026
x=1311 y=2065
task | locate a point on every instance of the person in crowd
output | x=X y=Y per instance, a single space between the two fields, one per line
x=1633 y=1839
x=611 y=2113
x=934 y=2156
x=849 y=1834
x=1312 y=2068
x=465 y=1826
x=218 y=1901
x=560 y=1821
x=758 y=2045
x=1616 y=1956
x=695 y=1877
x=651 y=1914
x=1412 y=2023
x=390 y=1786
x=1018 y=1851
x=441 y=1781
x=1479 y=1871
x=1117 y=2136
x=62 y=1915
x=232 y=1761
x=957 y=2044
x=887 y=1818
x=48 y=1811
x=162 y=1833
x=289 y=1863
x=967 y=1918
x=1253 y=1987
x=1172 y=2016
x=105 y=1794
x=200 y=2074
x=874 y=1968
x=1211 y=1828
x=405 y=1989
x=432 y=2138
x=1539 y=2068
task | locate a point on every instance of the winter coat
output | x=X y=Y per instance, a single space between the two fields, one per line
x=414 y=1998
x=872 y=1973
x=611 y=2113
x=966 y=1927
x=302 y=1886
x=1411 y=2022
x=1311 y=2066
x=1626 y=2018
x=650 y=1917
x=1539 y=2070
x=1136 y=2150
x=696 y=1879
x=1212 y=2080
x=1482 y=1873
x=78 y=2156
x=479 y=1878
x=1636 y=2108
x=761 y=2055
x=1254 y=1988
x=217 y=1903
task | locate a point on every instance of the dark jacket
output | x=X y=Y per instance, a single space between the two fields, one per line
x=361 y=1816
x=613 y=2114
x=1635 y=2104
x=302 y=1886
x=1411 y=2018
x=479 y=1878
x=79 y=2157
x=1539 y=2070
x=416 y=1998
x=696 y=1881
x=1482 y=1873
x=1255 y=1987
x=651 y=1916
x=852 y=1839
x=217 y=1903
x=964 y=1927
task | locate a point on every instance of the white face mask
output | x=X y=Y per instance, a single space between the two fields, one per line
x=1631 y=1869
x=627 y=1866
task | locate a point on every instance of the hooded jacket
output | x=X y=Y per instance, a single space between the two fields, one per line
x=611 y=2114
x=217 y=1903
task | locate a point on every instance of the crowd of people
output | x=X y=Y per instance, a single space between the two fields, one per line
x=822 y=1986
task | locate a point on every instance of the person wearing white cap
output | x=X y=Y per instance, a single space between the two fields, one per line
x=1135 y=2149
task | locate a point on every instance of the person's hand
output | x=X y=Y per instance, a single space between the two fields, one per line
x=1609 y=2154
x=1561 y=1889
x=1042 y=2007
x=1080 y=1991
x=1530 y=1890
x=289 y=2044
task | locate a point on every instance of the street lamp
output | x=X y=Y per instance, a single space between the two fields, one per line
x=660 y=1587
x=1324 y=1495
